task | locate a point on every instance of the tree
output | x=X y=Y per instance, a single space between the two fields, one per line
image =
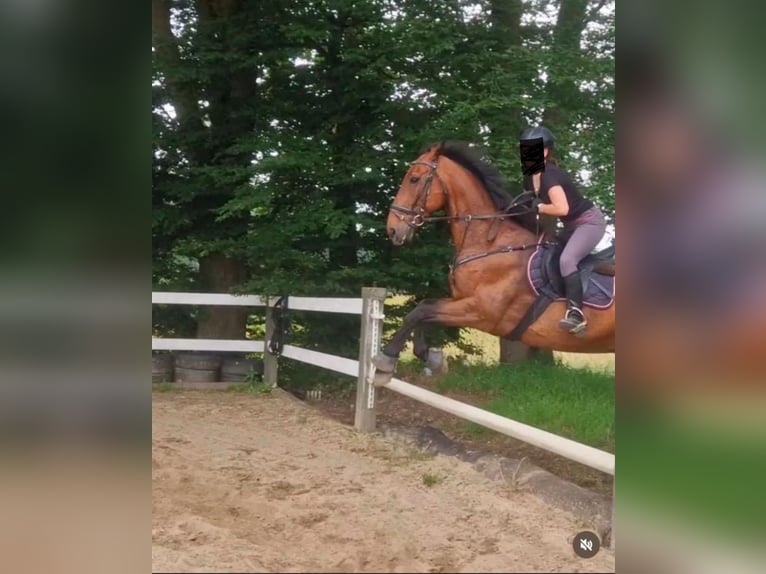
x=201 y=63
x=282 y=130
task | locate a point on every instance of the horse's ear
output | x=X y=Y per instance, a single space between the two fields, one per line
x=427 y=148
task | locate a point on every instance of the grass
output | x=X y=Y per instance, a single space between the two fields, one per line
x=255 y=388
x=573 y=398
x=430 y=479
x=570 y=402
x=164 y=387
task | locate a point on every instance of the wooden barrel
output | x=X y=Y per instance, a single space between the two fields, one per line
x=162 y=367
x=241 y=369
x=197 y=368
x=195 y=376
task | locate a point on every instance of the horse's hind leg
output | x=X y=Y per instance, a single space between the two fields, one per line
x=420 y=345
x=435 y=361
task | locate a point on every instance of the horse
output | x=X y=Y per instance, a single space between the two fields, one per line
x=494 y=239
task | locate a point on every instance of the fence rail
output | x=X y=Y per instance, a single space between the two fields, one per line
x=218 y=299
x=324 y=360
x=226 y=345
x=370 y=308
x=348 y=305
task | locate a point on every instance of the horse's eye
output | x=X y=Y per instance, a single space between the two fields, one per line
x=415 y=179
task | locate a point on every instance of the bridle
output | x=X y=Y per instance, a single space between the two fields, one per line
x=418 y=211
x=419 y=218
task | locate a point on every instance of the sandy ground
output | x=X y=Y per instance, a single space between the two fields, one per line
x=261 y=483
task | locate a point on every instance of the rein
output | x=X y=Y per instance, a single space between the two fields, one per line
x=419 y=217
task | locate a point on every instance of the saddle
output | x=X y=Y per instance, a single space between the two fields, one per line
x=544 y=273
x=544 y=276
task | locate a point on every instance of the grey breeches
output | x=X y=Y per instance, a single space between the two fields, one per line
x=585 y=233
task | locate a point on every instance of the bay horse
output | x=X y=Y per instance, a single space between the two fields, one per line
x=488 y=279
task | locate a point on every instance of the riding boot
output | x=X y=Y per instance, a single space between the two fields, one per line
x=574 y=320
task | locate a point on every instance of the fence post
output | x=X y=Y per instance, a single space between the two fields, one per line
x=371 y=329
x=270 y=360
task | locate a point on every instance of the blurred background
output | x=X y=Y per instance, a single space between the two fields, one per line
x=691 y=431
x=75 y=426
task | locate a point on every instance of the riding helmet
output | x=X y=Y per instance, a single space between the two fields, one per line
x=539 y=132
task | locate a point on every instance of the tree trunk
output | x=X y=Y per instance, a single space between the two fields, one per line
x=506 y=36
x=566 y=40
x=185 y=94
x=569 y=28
x=343 y=250
x=516 y=352
x=219 y=274
x=203 y=142
x=506 y=24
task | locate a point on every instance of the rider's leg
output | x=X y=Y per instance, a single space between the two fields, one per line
x=587 y=233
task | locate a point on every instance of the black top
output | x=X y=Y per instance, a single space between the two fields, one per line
x=553 y=176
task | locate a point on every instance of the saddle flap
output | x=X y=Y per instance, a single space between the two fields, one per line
x=551 y=257
x=594 y=272
x=592 y=263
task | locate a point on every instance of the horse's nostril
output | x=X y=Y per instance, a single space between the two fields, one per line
x=391 y=232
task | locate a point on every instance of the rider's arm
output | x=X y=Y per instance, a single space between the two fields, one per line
x=559 y=206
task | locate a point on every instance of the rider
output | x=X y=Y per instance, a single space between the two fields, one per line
x=584 y=225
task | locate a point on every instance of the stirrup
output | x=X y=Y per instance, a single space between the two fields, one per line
x=569 y=323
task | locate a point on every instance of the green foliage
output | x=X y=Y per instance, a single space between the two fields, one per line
x=282 y=130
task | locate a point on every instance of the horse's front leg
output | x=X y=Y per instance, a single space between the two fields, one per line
x=419 y=342
x=447 y=312
x=434 y=362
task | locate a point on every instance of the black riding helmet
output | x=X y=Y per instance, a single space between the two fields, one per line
x=531 y=144
x=539 y=132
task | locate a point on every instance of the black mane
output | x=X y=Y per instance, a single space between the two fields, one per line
x=490 y=177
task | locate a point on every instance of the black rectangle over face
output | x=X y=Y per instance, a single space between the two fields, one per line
x=532 y=156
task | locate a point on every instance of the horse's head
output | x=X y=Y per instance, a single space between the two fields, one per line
x=420 y=194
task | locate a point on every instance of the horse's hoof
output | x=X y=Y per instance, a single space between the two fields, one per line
x=436 y=361
x=384 y=363
x=381 y=379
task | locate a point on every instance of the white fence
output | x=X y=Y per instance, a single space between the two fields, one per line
x=370 y=307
